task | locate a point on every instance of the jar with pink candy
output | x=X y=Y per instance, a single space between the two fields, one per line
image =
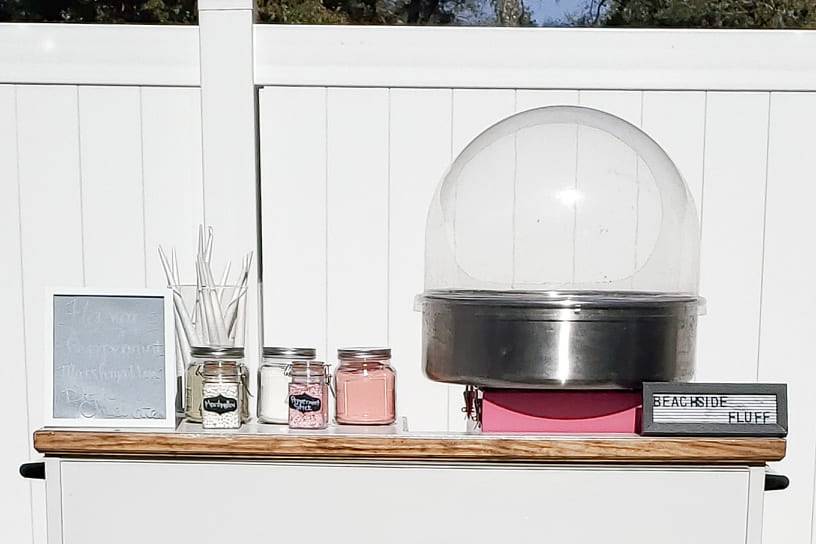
x=365 y=387
x=309 y=395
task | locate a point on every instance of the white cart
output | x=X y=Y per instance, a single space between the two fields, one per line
x=266 y=484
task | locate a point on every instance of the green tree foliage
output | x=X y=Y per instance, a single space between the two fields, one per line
x=386 y=12
x=105 y=11
x=700 y=13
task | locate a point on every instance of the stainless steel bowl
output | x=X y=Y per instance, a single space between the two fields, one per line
x=574 y=340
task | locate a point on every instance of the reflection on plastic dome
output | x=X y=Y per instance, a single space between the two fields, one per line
x=562 y=198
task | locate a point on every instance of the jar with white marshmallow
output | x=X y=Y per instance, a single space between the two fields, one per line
x=222 y=395
x=273 y=382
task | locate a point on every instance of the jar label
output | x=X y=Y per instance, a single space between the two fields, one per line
x=220 y=404
x=304 y=403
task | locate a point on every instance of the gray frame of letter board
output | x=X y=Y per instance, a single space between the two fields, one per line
x=778 y=429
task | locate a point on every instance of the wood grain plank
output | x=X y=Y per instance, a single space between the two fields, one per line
x=15 y=500
x=398 y=446
x=419 y=153
x=787 y=320
x=293 y=216
x=112 y=198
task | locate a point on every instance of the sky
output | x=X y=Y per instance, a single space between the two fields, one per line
x=555 y=10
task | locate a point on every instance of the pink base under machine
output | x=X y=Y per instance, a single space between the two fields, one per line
x=553 y=412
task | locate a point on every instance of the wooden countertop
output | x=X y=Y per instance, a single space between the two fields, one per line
x=277 y=442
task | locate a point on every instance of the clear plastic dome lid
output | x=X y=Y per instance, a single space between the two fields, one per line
x=563 y=199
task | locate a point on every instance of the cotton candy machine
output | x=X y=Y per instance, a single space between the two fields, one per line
x=562 y=251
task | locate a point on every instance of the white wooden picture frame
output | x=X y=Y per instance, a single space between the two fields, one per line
x=169 y=366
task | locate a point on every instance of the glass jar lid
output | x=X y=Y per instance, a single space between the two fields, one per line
x=217 y=352
x=363 y=354
x=227 y=371
x=289 y=353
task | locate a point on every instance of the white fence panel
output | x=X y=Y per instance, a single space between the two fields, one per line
x=420 y=136
x=357 y=217
x=788 y=322
x=15 y=500
x=719 y=142
x=733 y=204
x=173 y=184
x=110 y=147
x=357 y=126
x=51 y=227
x=83 y=214
x=293 y=205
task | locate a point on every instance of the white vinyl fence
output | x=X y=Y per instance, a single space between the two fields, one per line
x=116 y=138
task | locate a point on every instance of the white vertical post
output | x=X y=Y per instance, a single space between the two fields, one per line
x=229 y=141
x=53 y=497
x=756 y=498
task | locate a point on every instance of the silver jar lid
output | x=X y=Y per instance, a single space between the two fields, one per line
x=217 y=352
x=361 y=354
x=289 y=353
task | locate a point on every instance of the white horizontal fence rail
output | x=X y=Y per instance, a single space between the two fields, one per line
x=358 y=125
x=552 y=58
x=99 y=54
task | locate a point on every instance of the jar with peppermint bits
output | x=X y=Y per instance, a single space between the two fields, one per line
x=309 y=395
x=222 y=395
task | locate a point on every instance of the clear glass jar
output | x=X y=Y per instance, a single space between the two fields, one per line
x=194 y=377
x=365 y=384
x=309 y=395
x=222 y=395
x=273 y=382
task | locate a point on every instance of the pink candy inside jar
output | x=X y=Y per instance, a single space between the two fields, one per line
x=365 y=387
x=308 y=396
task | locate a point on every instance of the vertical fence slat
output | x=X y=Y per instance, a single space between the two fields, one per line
x=474 y=110
x=623 y=104
x=676 y=120
x=293 y=216
x=420 y=129
x=51 y=212
x=173 y=187
x=731 y=249
x=788 y=321
x=111 y=156
x=357 y=219
x=605 y=221
x=535 y=98
x=538 y=222
x=15 y=500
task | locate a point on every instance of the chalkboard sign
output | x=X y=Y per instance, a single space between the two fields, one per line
x=715 y=409
x=111 y=359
